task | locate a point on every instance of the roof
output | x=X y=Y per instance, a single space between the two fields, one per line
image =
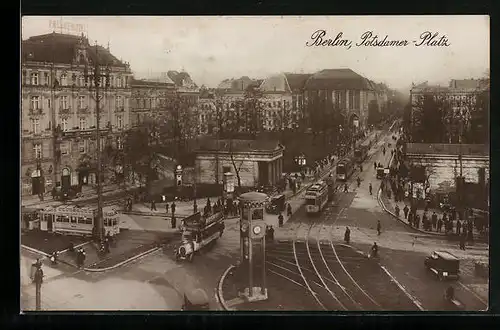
x=181 y=78
x=275 y=83
x=151 y=82
x=337 y=79
x=240 y=84
x=253 y=196
x=448 y=149
x=61 y=48
x=238 y=145
x=297 y=80
x=446 y=255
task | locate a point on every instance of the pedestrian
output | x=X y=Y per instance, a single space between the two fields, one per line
x=173 y=208
x=405 y=211
x=425 y=221
x=289 y=210
x=462 y=242
x=167 y=206
x=379 y=227
x=153 y=205
x=173 y=222
x=439 y=225
x=346 y=188
x=280 y=220
x=370 y=188
x=396 y=209
x=417 y=220
x=459 y=226
x=294 y=187
x=347 y=235
x=271 y=233
x=106 y=245
x=434 y=220
x=358 y=180
x=375 y=165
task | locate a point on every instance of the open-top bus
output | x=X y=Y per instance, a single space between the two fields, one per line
x=316 y=197
x=345 y=168
x=74 y=220
x=198 y=232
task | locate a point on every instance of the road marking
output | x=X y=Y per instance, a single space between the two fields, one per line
x=413 y=299
x=472 y=291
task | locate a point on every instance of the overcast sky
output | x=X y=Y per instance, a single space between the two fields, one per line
x=211 y=48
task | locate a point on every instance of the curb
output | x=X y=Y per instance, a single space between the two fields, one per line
x=143 y=254
x=221 y=299
x=45 y=255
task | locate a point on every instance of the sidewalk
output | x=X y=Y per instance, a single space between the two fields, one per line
x=388 y=204
x=88 y=193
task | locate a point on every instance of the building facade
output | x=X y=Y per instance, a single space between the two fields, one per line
x=150 y=99
x=58 y=109
x=256 y=162
x=457 y=113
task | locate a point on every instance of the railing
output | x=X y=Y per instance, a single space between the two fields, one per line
x=37 y=111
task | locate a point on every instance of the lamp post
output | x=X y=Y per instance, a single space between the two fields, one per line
x=97 y=77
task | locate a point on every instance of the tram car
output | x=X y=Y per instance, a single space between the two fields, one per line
x=345 y=168
x=74 y=220
x=199 y=232
x=361 y=152
x=316 y=197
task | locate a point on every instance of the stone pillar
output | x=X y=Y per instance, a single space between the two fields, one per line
x=269 y=172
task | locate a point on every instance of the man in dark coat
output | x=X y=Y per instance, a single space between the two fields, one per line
x=280 y=220
x=417 y=221
x=347 y=235
x=153 y=205
x=289 y=210
x=173 y=208
x=405 y=211
x=439 y=225
x=396 y=209
x=462 y=241
x=379 y=227
x=434 y=220
x=459 y=226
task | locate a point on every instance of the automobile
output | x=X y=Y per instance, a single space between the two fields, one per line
x=196 y=300
x=444 y=264
x=64 y=194
x=276 y=204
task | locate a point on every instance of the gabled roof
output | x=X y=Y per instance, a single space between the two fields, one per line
x=338 y=79
x=262 y=145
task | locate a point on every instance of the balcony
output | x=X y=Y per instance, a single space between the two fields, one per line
x=120 y=108
x=83 y=110
x=35 y=112
x=66 y=111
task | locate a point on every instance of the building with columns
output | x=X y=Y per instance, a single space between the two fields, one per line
x=256 y=162
x=58 y=109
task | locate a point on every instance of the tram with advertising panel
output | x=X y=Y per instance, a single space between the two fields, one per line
x=74 y=220
x=361 y=152
x=316 y=197
x=198 y=232
x=345 y=168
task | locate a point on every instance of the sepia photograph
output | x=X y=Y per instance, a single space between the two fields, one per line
x=255 y=163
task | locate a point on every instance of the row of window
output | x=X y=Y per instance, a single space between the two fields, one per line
x=83 y=220
x=83 y=147
x=37 y=79
x=64 y=102
x=64 y=122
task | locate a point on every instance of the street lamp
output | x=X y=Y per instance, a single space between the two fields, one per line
x=96 y=77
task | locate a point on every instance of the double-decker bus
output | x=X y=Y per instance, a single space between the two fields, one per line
x=198 y=232
x=345 y=168
x=316 y=197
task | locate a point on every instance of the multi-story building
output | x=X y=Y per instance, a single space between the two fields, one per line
x=282 y=101
x=58 y=109
x=456 y=113
x=150 y=99
x=343 y=94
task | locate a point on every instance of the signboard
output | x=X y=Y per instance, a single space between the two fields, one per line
x=67 y=27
